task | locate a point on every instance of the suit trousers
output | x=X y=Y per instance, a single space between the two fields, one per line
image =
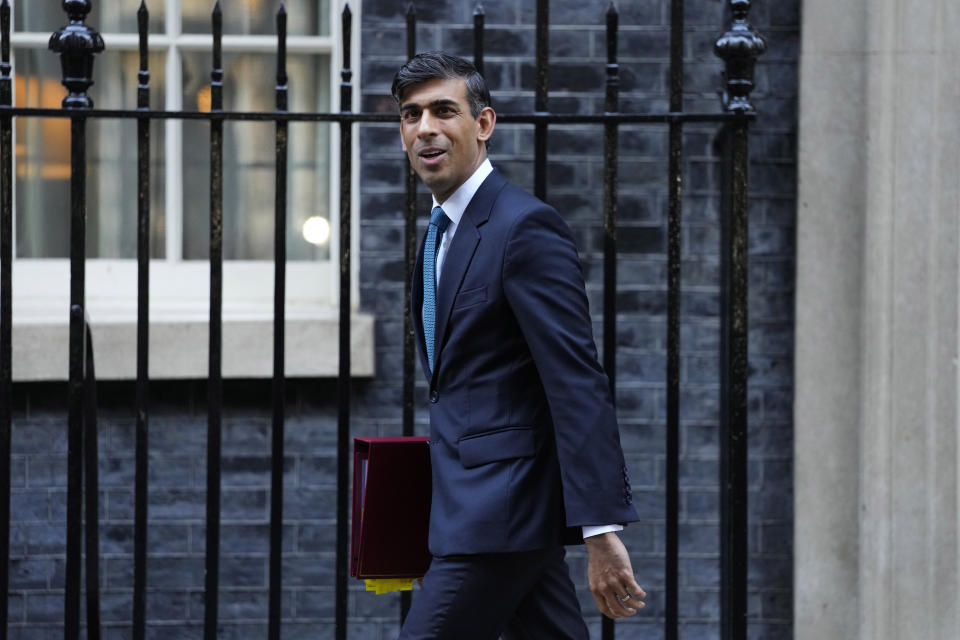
x=517 y=596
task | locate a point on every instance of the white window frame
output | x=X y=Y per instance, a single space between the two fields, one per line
x=179 y=289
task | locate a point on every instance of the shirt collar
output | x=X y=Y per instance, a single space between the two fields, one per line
x=456 y=204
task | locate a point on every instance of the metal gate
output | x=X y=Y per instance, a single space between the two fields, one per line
x=77 y=44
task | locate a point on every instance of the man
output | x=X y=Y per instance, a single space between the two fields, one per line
x=523 y=436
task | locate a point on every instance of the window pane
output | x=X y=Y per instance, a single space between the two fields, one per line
x=43 y=160
x=305 y=17
x=107 y=16
x=248 y=159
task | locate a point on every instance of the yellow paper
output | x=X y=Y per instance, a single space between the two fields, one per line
x=389 y=585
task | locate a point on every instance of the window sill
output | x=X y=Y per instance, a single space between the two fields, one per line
x=179 y=346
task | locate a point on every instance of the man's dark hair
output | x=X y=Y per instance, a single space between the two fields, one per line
x=434 y=65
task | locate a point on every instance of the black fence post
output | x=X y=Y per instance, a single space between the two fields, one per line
x=540 y=100
x=343 y=380
x=91 y=488
x=739 y=48
x=611 y=138
x=410 y=259
x=410 y=255
x=215 y=372
x=674 y=261
x=279 y=340
x=76 y=43
x=6 y=309
x=143 y=334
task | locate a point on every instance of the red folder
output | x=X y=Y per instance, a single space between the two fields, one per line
x=391 y=507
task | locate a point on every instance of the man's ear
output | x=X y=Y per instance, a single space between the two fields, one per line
x=486 y=121
x=403 y=143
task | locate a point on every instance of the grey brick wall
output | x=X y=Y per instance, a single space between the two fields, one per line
x=178 y=422
x=177 y=510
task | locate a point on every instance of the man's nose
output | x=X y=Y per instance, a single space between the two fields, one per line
x=428 y=125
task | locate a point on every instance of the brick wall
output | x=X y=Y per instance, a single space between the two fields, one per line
x=178 y=420
x=177 y=506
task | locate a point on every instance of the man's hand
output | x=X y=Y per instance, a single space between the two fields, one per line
x=611 y=577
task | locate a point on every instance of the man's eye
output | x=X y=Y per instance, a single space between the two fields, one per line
x=409 y=115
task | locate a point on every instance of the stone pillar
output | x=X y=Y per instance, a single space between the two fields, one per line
x=878 y=275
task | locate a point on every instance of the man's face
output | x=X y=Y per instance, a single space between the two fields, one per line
x=444 y=142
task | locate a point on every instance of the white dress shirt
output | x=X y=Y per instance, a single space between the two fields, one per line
x=453 y=207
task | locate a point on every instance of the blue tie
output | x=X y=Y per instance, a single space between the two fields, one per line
x=438 y=224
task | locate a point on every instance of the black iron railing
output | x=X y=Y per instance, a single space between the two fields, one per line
x=77 y=43
x=6 y=311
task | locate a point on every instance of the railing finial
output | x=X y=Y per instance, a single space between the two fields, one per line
x=739 y=47
x=411 y=30
x=6 y=87
x=346 y=73
x=479 y=17
x=143 y=77
x=281 y=89
x=76 y=43
x=612 y=97
x=216 y=73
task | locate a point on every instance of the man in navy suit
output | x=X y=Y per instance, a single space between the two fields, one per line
x=523 y=435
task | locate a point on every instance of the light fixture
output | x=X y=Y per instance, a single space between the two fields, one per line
x=316 y=230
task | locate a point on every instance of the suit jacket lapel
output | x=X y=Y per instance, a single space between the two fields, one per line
x=455 y=266
x=460 y=254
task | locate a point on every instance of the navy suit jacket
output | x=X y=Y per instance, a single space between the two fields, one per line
x=523 y=434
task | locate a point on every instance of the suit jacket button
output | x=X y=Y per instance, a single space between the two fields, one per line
x=434 y=396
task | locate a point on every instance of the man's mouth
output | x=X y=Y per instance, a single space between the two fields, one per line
x=428 y=155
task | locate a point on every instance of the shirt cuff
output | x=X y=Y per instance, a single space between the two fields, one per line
x=595 y=530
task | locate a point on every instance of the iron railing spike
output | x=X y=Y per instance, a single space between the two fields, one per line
x=612 y=9
x=479 y=10
x=5 y=27
x=411 y=9
x=282 y=10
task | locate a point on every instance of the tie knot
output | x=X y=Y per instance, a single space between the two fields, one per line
x=439 y=219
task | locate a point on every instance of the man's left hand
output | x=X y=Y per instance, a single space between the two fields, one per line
x=610 y=576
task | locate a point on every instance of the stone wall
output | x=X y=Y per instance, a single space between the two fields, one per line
x=877 y=457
